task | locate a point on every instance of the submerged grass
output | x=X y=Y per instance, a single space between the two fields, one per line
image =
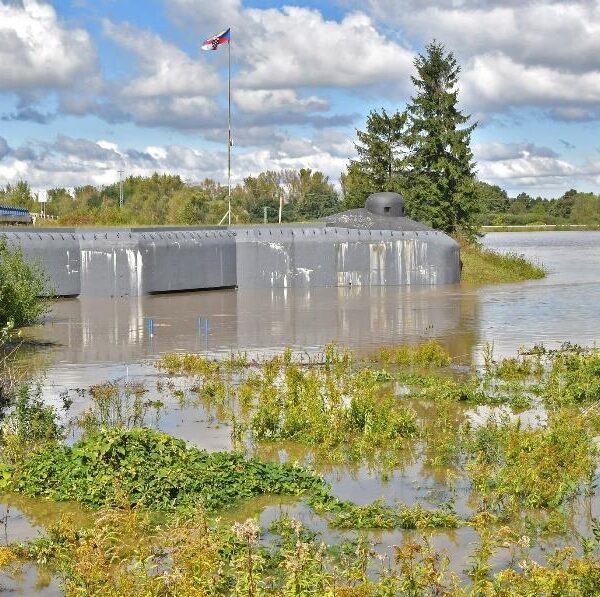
x=521 y=477
x=484 y=266
x=125 y=554
x=536 y=468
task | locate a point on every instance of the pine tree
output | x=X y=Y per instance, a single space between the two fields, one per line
x=442 y=186
x=381 y=149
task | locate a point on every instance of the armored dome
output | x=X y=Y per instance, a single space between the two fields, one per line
x=382 y=211
x=386 y=204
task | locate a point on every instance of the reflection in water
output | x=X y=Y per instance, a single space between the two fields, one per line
x=102 y=330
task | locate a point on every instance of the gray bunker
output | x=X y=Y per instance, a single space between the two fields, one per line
x=373 y=246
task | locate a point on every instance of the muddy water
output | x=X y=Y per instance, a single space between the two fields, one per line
x=100 y=337
x=88 y=341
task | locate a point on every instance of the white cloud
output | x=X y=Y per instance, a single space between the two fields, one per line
x=164 y=69
x=274 y=100
x=540 y=53
x=498 y=81
x=297 y=47
x=506 y=151
x=38 y=52
x=70 y=162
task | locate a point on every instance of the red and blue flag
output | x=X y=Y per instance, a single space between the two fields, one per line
x=212 y=43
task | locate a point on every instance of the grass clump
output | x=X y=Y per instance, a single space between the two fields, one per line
x=484 y=266
x=377 y=515
x=152 y=469
x=574 y=378
x=125 y=554
x=428 y=354
x=316 y=407
x=535 y=468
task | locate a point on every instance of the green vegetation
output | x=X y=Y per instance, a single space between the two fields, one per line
x=156 y=529
x=483 y=266
x=332 y=407
x=141 y=466
x=423 y=153
x=542 y=467
x=165 y=199
x=573 y=207
x=124 y=553
x=22 y=288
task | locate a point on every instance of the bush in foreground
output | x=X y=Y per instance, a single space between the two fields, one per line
x=22 y=288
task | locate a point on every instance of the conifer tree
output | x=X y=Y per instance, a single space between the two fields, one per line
x=381 y=149
x=442 y=181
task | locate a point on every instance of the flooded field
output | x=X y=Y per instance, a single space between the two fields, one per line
x=92 y=341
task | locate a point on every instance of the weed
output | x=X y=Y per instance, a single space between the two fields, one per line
x=540 y=467
x=30 y=425
x=114 y=463
x=115 y=405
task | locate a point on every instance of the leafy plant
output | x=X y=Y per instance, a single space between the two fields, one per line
x=23 y=288
x=151 y=468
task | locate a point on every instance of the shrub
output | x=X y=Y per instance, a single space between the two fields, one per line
x=22 y=288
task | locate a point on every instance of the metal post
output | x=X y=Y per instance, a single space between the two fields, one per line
x=229 y=131
x=280 y=204
x=121 y=189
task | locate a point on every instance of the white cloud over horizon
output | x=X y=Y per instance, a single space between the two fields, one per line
x=303 y=79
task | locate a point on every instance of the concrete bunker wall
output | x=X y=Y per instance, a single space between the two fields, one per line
x=57 y=252
x=187 y=260
x=309 y=257
x=124 y=262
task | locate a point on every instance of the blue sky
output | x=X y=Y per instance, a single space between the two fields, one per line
x=88 y=87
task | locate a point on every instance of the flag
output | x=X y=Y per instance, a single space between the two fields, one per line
x=212 y=43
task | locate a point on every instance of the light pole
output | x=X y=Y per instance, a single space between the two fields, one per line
x=121 y=188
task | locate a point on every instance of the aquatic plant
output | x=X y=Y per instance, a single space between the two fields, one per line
x=31 y=424
x=427 y=354
x=537 y=467
x=125 y=553
x=117 y=405
x=377 y=515
x=321 y=408
x=146 y=467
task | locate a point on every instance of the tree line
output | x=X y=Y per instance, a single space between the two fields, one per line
x=423 y=152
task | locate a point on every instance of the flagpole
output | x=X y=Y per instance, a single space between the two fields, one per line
x=229 y=129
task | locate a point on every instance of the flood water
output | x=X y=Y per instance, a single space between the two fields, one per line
x=96 y=338
x=92 y=340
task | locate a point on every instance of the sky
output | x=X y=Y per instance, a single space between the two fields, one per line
x=90 y=87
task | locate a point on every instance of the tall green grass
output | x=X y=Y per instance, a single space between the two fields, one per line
x=484 y=266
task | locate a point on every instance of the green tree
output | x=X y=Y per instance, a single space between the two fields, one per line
x=381 y=162
x=356 y=186
x=19 y=195
x=60 y=202
x=315 y=195
x=562 y=207
x=442 y=190
x=586 y=209
x=493 y=202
